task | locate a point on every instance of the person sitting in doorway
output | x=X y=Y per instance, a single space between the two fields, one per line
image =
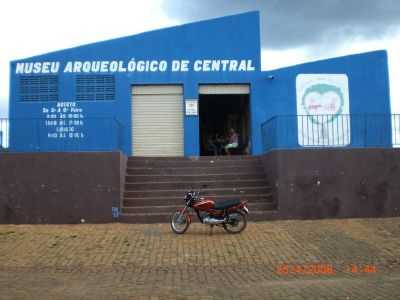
x=219 y=142
x=211 y=146
x=215 y=144
x=233 y=141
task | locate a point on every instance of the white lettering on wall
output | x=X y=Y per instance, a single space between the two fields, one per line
x=65 y=120
x=133 y=65
x=45 y=67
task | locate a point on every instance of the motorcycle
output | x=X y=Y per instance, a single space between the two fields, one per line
x=230 y=214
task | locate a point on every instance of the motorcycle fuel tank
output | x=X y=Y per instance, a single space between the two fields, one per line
x=204 y=204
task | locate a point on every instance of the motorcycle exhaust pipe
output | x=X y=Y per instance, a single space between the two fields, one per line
x=213 y=221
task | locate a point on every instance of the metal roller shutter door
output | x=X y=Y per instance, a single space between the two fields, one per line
x=157 y=120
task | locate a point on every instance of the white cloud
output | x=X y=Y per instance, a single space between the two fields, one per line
x=29 y=28
x=274 y=59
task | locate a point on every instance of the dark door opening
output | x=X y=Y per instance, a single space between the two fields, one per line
x=219 y=113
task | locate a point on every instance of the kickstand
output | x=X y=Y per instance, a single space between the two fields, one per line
x=211 y=229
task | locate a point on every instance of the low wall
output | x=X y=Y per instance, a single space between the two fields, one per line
x=306 y=184
x=335 y=183
x=60 y=187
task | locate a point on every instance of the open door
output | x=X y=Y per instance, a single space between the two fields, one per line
x=222 y=107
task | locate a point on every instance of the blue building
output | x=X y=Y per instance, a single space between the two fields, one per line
x=166 y=92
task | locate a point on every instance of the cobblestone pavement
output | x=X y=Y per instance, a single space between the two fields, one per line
x=328 y=259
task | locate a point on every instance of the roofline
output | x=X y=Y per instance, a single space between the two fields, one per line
x=255 y=12
x=326 y=59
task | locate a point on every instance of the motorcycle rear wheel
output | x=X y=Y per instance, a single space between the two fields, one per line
x=237 y=224
x=179 y=223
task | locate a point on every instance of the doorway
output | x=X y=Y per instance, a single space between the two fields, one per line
x=219 y=111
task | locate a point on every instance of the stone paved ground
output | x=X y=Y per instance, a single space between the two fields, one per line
x=328 y=259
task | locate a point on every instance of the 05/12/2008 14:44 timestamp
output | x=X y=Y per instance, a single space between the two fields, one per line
x=323 y=269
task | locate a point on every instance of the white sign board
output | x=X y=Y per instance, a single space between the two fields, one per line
x=323 y=110
x=64 y=120
x=191 y=107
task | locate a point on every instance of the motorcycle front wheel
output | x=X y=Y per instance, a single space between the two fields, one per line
x=236 y=223
x=179 y=223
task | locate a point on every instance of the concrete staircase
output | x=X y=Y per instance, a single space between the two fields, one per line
x=155 y=187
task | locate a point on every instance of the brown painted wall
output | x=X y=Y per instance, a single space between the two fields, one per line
x=307 y=184
x=60 y=187
x=335 y=183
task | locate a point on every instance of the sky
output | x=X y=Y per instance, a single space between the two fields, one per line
x=292 y=31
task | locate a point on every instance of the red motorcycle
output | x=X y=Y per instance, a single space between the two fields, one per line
x=230 y=214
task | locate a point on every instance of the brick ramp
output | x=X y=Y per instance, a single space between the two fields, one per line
x=155 y=187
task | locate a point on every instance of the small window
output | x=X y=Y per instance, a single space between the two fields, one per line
x=38 y=88
x=95 y=87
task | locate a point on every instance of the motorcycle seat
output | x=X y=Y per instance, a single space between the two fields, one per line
x=224 y=204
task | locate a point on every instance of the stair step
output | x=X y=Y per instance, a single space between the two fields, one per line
x=193 y=177
x=193 y=171
x=240 y=191
x=155 y=186
x=149 y=201
x=193 y=158
x=193 y=185
x=191 y=163
x=256 y=206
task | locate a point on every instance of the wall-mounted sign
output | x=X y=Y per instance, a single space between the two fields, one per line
x=115 y=212
x=191 y=107
x=323 y=110
x=63 y=120
x=130 y=66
